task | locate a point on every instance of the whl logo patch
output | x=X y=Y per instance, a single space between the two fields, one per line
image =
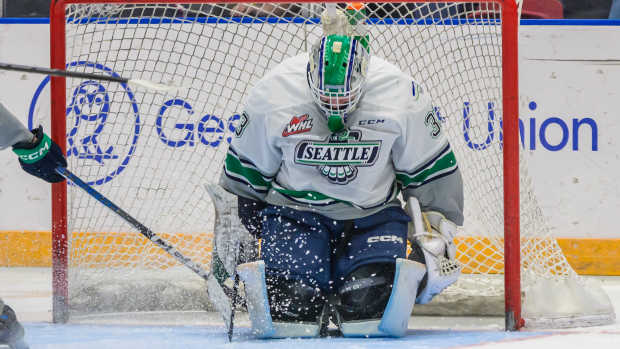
x=339 y=156
x=298 y=124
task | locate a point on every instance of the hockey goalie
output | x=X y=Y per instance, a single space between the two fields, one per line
x=326 y=143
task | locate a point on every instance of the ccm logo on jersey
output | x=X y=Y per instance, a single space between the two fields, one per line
x=384 y=238
x=370 y=122
x=298 y=124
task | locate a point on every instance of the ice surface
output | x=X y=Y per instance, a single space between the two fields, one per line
x=213 y=337
x=28 y=291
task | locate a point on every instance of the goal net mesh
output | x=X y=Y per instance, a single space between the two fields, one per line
x=152 y=152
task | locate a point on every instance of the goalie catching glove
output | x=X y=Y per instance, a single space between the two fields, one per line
x=432 y=241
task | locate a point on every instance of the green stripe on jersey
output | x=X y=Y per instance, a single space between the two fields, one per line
x=314 y=197
x=232 y=165
x=442 y=165
x=308 y=196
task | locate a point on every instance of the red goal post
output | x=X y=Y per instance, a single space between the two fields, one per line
x=60 y=59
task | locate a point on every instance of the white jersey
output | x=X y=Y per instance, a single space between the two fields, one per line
x=283 y=152
x=11 y=130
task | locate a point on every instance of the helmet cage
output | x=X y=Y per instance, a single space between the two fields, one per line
x=337 y=75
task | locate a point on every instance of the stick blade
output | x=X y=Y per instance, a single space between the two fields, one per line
x=150 y=85
x=220 y=300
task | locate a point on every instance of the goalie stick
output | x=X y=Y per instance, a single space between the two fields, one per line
x=215 y=283
x=235 y=301
x=66 y=73
x=229 y=251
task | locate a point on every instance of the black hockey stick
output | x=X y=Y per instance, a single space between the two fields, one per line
x=234 y=298
x=66 y=73
x=144 y=230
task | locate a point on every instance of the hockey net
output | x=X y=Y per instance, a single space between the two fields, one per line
x=152 y=152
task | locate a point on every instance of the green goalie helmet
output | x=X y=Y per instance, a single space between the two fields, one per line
x=337 y=71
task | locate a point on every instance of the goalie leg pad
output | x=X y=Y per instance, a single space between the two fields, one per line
x=257 y=299
x=253 y=276
x=294 y=300
x=366 y=292
x=408 y=276
x=395 y=318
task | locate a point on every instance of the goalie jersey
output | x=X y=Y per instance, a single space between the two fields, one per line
x=283 y=153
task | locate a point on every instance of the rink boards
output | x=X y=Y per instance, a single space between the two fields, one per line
x=568 y=109
x=589 y=256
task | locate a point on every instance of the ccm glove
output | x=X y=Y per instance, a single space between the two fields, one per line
x=41 y=156
x=11 y=331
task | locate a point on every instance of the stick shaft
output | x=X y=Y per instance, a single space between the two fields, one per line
x=60 y=72
x=231 y=325
x=235 y=296
x=148 y=233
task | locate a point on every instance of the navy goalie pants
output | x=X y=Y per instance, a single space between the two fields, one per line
x=311 y=247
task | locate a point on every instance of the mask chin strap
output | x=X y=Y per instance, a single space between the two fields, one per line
x=335 y=123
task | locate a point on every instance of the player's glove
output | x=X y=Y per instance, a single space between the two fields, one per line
x=11 y=331
x=41 y=156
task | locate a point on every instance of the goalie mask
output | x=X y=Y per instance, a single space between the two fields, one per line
x=337 y=75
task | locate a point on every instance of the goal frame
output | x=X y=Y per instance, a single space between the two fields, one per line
x=510 y=100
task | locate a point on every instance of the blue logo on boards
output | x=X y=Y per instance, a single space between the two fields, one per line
x=91 y=139
x=193 y=134
x=552 y=133
x=87 y=114
x=90 y=115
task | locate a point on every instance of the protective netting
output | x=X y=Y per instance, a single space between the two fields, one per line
x=152 y=152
